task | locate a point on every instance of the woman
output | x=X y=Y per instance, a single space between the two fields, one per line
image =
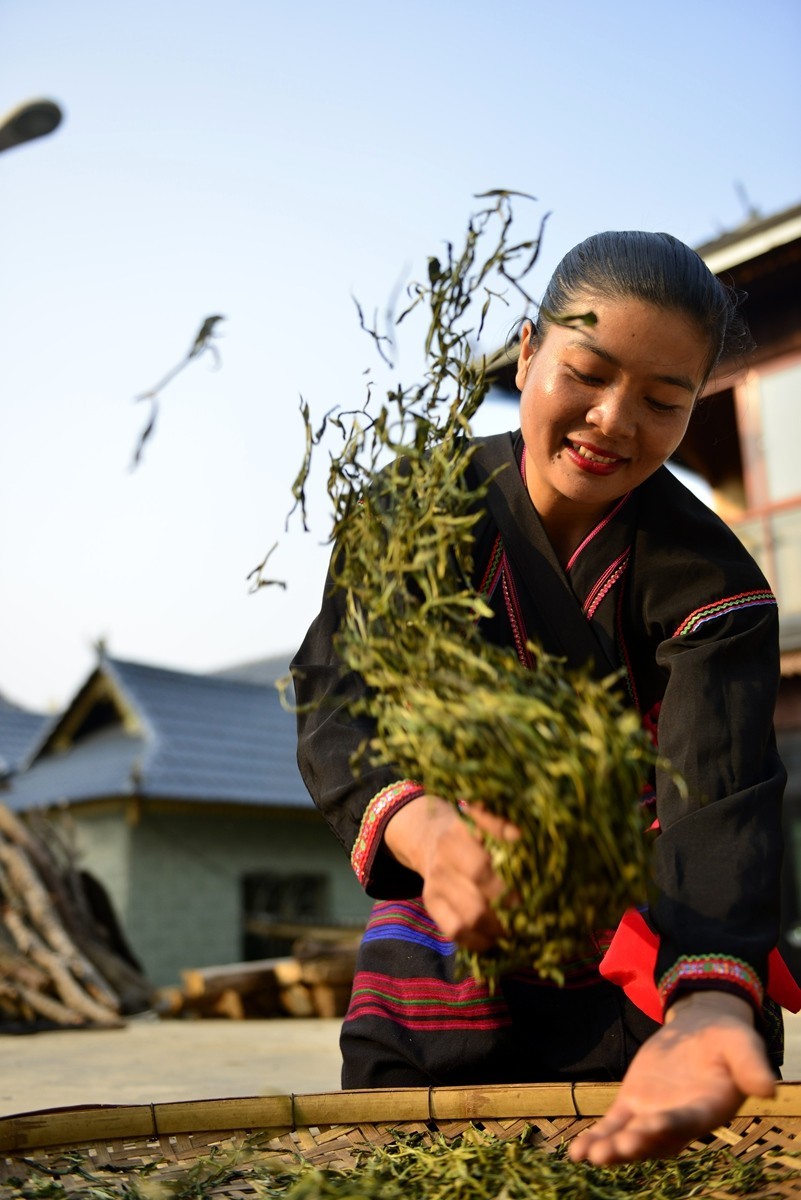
x=590 y=546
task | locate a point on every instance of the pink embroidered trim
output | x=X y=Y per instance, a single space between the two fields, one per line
x=515 y=615
x=382 y=806
x=493 y=571
x=607 y=581
x=594 y=532
x=624 y=653
x=721 y=607
x=705 y=968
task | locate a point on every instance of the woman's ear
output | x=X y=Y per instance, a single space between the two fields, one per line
x=528 y=348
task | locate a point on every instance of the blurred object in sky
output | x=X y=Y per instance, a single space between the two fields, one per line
x=202 y=342
x=33 y=119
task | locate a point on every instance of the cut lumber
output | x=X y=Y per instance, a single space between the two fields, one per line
x=330 y=1000
x=296 y=1000
x=56 y=961
x=244 y=977
x=332 y=969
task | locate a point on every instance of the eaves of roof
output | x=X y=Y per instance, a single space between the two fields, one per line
x=103 y=765
x=751 y=240
x=186 y=737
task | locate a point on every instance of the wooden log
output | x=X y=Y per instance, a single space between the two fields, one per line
x=332 y=969
x=260 y=1005
x=46 y=1006
x=228 y=1004
x=101 y=957
x=18 y=833
x=330 y=1000
x=41 y=913
x=242 y=977
x=169 y=1001
x=131 y=990
x=288 y=971
x=303 y=933
x=13 y=967
x=296 y=1000
x=68 y=988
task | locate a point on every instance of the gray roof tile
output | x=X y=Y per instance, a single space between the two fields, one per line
x=19 y=731
x=203 y=738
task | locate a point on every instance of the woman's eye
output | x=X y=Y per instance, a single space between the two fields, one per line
x=658 y=406
x=592 y=380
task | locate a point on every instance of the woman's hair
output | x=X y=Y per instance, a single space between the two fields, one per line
x=655 y=267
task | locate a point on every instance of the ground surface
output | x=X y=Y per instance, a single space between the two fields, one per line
x=152 y=1061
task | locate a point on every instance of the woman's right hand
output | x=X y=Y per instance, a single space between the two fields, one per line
x=459 y=885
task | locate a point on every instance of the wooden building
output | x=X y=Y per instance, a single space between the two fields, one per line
x=182 y=795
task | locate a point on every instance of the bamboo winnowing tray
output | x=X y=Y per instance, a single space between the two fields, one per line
x=328 y=1128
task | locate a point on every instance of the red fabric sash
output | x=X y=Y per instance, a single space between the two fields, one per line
x=630 y=962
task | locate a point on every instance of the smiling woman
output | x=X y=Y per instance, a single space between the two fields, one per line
x=603 y=407
x=586 y=544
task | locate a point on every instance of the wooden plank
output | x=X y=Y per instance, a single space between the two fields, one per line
x=786 y=1103
x=369 y=1104
x=333 y=969
x=297 y=930
x=241 y=977
x=498 y=1100
x=246 y=1112
x=593 y=1099
x=75 y=1126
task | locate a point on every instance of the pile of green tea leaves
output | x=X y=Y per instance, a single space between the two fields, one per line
x=473 y=1166
x=556 y=752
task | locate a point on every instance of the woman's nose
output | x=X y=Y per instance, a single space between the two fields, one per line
x=612 y=414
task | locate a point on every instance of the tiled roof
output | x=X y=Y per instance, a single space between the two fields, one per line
x=101 y=765
x=260 y=670
x=19 y=730
x=186 y=737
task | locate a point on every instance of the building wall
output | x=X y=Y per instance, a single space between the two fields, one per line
x=187 y=863
x=100 y=833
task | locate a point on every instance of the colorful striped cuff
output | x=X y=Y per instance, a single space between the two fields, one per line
x=722 y=608
x=382 y=806
x=708 y=970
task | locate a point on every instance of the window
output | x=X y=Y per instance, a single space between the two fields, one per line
x=771 y=525
x=780 y=401
x=275 y=910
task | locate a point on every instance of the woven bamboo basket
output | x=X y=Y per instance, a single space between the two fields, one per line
x=102 y=1143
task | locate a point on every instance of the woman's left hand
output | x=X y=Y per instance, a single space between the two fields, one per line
x=690 y=1077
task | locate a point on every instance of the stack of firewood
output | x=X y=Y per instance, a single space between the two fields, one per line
x=63 y=961
x=315 y=981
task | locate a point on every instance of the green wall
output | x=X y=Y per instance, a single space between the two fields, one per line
x=101 y=837
x=185 y=871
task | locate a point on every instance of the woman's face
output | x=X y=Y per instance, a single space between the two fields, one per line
x=603 y=406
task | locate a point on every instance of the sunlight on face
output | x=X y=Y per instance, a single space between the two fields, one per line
x=603 y=406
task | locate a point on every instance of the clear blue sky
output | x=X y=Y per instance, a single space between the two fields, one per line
x=266 y=161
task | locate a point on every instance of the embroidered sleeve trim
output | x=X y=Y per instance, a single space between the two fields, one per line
x=709 y=969
x=720 y=608
x=382 y=806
